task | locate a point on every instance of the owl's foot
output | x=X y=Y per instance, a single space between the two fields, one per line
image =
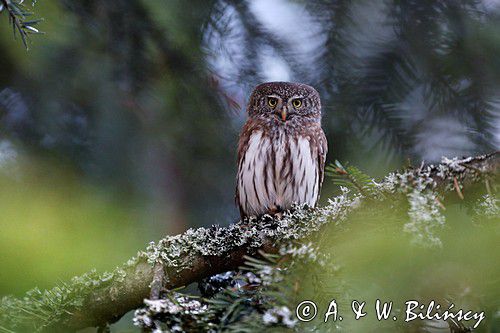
x=276 y=212
x=278 y=215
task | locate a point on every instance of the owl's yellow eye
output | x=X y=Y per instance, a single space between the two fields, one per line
x=272 y=102
x=297 y=103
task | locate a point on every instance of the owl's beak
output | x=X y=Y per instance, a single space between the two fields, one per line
x=283 y=114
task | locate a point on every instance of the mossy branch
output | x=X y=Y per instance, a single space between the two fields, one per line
x=98 y=299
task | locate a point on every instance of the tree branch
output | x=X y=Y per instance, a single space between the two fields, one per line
x=17 y=17
x=95 y=300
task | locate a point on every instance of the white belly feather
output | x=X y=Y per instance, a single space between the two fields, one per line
x=266 y=183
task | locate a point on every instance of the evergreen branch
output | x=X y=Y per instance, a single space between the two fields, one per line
x=18 y=19
x=351 y=177
x=98 y=299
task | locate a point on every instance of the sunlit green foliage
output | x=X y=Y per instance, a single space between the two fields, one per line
x=55 y=226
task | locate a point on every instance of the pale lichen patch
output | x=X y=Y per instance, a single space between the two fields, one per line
x=279 y=315
x=488 y=206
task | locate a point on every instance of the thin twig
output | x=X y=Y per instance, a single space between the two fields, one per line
x=157 y=283
x=440 y=203
x=16 y=22
x=488 y=187
x=457 y=188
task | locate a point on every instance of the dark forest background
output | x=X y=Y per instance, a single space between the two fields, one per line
x=119 y=124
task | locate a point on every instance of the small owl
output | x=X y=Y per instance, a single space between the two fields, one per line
x=281 y=150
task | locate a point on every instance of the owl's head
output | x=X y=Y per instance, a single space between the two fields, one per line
x=285 y=102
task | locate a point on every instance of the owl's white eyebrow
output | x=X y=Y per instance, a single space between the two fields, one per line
x=296 y=96
x=274 y=96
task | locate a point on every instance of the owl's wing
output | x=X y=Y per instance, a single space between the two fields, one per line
x=322 y=151
x=242 y=149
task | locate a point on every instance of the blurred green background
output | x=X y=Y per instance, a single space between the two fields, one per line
x=370 y=258
x=120 y=123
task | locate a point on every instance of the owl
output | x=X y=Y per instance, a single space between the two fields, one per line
x=281 y=150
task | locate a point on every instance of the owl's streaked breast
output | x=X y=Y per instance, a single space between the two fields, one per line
x=277 y=171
